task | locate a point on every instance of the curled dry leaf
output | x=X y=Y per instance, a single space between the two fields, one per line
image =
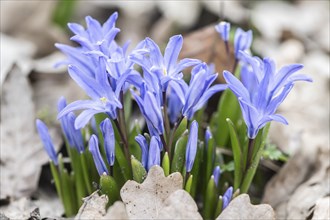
x=145 y=201
x=241 y=208
x=205 y=44
x=94 y=207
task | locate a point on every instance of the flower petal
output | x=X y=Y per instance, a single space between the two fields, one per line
x=172 y=51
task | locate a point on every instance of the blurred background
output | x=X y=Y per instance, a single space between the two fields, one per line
x=287 y=31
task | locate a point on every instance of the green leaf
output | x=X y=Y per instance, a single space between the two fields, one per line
x=180 y=130
x=188 y=184
x=195 y=171
x=68 y=195
x=179 y=156
x=134 y=147
x=210 y=200
x=273 y=153
x=128 y=107
x=123 y=163
x=210 y=158
x=258 y=150
x=139 y=173
x=237 y=154
x=228 y=167
x=228 y=108
x=218 y=209
x=166 y=164
x=79 y=182
x=109 y=187
x=56 y=177
x=86 y=175
x=63 y=12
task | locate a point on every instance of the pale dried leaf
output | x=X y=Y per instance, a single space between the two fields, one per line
x=93 y=207
x=116 y=211
x=322 y=209
x=147 y=199
x=23 y=208
x=32 y=21
x=15 y=51
x=177 y=202
x=241 y=208
x=307 y=194
x=22 y=153
x=49 y=204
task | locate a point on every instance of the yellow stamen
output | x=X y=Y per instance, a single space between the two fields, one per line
x=165 y=72
x=103 y=99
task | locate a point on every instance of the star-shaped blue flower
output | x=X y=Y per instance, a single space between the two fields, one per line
x=262 y=90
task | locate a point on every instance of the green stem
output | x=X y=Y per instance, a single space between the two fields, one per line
x=87 y=178
x=124 y=140
x=170 y=142
x=162 y=138
x=250 y=153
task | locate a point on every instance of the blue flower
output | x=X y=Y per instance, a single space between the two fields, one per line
x=104 y=99
x=96 y=36
x=94 y=149
x=216 y=174
x=46 y=140
x=72 y=134
x=262 y=90
x=151 y=110
x=223 y=28
x=199 y=90
x=191 y=146
x=141 y=140
x=227 y=196
x=109 y=140
x=175 y=99
x=154 y=152
x=167 y=67
x=242 y=41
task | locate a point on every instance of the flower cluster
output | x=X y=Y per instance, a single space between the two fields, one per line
x=120 y=150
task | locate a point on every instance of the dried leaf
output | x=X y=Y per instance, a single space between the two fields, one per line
x=32 y=21
x=93 y=207
x=179 y=205
x=17 y=52
x=322 y=209
x=23 y=208
x=307 y=194
x=22 y=153
x=241 y=208
x=205 y=44
x=146 y=200
x=116 y=211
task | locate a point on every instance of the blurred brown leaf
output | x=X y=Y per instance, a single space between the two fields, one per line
x=205 y=44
